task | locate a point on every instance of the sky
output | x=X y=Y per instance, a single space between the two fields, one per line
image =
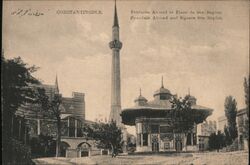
x=209 y=57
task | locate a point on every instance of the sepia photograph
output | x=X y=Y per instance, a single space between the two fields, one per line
x=125 y=82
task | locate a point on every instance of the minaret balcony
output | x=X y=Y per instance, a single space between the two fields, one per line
x=115 y=44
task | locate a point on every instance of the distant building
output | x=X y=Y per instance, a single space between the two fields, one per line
x=240 y=121
x=222 y=123
x=207 y=128
x=204 y=130
x=101 y=119
x=73 y=141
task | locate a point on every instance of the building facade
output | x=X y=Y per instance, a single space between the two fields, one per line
x=241 y=119
x=204 y=130
x=222 y=123
x=73 y=141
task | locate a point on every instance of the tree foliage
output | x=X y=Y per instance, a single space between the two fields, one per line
x=231 y=112
x=51 y=110
x=246 y=90
x=16 y=87
x=246 y=124
x=42 y=146
x=228 y=138
x=17 y=90
x=107 y=135
x=182 y=116
x=216 y=141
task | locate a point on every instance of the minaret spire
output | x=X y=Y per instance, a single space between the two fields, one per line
x=56 y=84
x=140 y=91
x=116 y=23
x=162 y=82
x=188 y=91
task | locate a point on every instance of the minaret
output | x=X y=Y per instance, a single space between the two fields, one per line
x=115 y=45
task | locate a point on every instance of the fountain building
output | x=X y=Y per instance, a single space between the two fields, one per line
x=153 y=121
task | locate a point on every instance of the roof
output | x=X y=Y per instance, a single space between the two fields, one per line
x=241 y=111
x=140 y=98
x=162 y=90
x=162 y=105
x=159 y=108
x=65 y=116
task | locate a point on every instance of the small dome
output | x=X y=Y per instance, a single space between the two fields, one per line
x=192 y=99
x=140 y=100
x=162 y=90
x=162 y=93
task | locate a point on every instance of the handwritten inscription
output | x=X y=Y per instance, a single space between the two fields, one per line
x=27 y=12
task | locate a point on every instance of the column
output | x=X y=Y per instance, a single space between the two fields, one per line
x=25 y=134
x=141 y=140
x=75 y=128
x=192 y=139
x=89 y=153
x=185 y=141
x=12 y=125
x=149 y=140
x=19 y=130
x=68 y=127
x=38 y=127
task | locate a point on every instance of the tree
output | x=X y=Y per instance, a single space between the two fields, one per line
x=216 y=141
x=51 y=110
x=231 y=112
x=16 y=88
x=246 y=90
x=183 y=120
x=108 y=136
x=42 y=146
x=228 y=138
x=246 y=124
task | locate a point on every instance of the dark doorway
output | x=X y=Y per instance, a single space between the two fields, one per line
x=155 y=147
x=84 y=149
x=84 y=153
x=104 y=152
x=178 y=145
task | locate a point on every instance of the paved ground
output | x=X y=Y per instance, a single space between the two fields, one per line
x=209 y=158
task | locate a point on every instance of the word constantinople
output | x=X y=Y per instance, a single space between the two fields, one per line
x=176 y=15
x=79 y=12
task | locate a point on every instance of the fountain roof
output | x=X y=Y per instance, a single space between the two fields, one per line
x=160 y=107
x=129 y=115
